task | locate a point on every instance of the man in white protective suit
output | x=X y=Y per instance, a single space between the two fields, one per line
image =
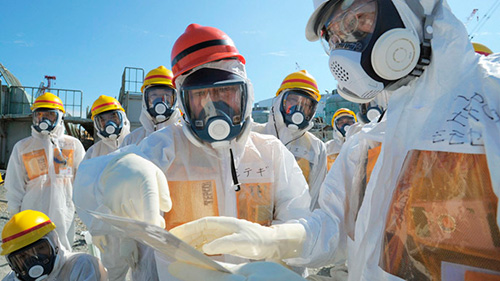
x=111 y=124
x=33 y=251
x=215 y=165
x=42 y=167
x=343 y=120
x=430 y=210
x=159 y=105
x=290 y=120
x=372 y=111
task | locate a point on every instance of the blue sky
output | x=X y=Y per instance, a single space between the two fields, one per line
x=87 y=44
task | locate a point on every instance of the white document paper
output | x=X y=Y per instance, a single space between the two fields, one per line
x=159 y=239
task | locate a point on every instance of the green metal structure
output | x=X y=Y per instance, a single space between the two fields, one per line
x=335 y=102
x=15 y=113
x=130 y=94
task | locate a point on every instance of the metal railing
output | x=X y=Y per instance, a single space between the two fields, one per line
x=132 y=79
x=19 y=100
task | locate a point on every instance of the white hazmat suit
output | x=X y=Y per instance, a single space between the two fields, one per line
x=334 y=145
x=273 y=188
x=107 y=145
x=40 y=177
x=430 y=208
x=309 y=151
x=122 y=184
x=109 y=244
x=440 y=137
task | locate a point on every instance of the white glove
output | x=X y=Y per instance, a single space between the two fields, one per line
x=226 y=235
x=135 y=188
x=100 y=242
x=13 y=210
x=129 y=252
x=263 y=271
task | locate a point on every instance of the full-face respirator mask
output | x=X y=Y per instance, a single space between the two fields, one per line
x=215 y=104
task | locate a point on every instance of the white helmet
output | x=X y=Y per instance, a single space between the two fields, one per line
x=371 y=45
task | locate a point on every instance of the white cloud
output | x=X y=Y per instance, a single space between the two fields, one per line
x=251 y=31
x=22 y=43
x=486 y=33
x=278 y=54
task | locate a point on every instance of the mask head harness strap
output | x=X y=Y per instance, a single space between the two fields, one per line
x=378 y=68
x=234 y=175
x=425 y=47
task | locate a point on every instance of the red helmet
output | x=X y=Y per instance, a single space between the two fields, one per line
x=199 y=45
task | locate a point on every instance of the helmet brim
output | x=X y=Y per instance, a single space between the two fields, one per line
x=311 y=27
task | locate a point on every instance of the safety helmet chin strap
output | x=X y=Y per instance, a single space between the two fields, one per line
x=426 y=49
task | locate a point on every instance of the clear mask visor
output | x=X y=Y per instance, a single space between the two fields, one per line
x=297 y=100
x=349 y=26
x=42 y=114
x=225 y=99
x=342 y=121
x=104 y=119
x=33 y=260
x=159 y=94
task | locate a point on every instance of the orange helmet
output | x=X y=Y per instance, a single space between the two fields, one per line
x=199 y=45
x=23 y=229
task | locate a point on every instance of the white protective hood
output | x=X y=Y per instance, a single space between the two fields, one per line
x=107 y=145
x=54 y=134
x=453 y=107
x=276 y=125
x=148 y=126
x=303 y=145
x=147 y=121
x=238 y=68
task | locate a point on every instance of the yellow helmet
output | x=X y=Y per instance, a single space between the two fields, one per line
x=482 y=49
x=159 y=75
x=344 y=111
x=103 y=104
x=301 y=80
x=23 y=229
x=48 y=100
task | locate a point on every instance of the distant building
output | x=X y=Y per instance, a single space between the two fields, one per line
x=261 y=110
x=320 y=110
x=335 y=102
x=260 y=114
